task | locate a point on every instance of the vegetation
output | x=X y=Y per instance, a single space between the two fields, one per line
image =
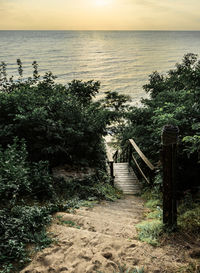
x=67 y=222
x=151 y=229
x=56 y=123
x=42 y=125
x=173 y=99
x=21 y=226
x=22 y=220
x=20 y=179
x=189 y=211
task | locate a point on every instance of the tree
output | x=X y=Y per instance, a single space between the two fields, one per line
x=174 y=99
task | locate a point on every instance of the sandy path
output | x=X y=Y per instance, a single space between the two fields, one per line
x=103 y=239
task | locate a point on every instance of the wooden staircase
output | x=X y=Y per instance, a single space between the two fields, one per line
x=119 y=163
x=125 y=179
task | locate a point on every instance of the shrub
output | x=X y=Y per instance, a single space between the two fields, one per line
x=19 y=226
x=190 y=220
x=173 y=99
x=56 y=127
x=59 y=123
x=92 y=187
x=189 y=213
x=20 y=179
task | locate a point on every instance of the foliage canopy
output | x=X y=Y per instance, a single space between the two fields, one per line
x=59 y=123
x=173 y=99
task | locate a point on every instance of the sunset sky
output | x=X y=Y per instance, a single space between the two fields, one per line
x=100 y=14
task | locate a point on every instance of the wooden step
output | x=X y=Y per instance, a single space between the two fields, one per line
x=125 y=179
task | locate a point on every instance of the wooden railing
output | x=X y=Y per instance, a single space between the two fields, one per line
x=169 y=167
x=126 y=155
x=142 y=156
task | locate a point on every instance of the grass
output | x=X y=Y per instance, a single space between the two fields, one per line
x=156 y=214
x=150 y=231
x=76 y=203
x=189 y=214
x=69 y=223
x=190 y=220
x=152 y=203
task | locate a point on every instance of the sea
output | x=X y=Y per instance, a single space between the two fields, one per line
x=121 y=60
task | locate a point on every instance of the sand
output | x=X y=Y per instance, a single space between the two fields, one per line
x=104 y=239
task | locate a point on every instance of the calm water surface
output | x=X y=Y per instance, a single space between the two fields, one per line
x=121 y=60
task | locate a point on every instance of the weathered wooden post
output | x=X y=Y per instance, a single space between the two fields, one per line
x=130 y=151
x=169 y=151
x=112 y=172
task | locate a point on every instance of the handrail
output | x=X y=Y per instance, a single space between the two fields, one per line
x=144 y=158
x=115 y=155
x=140 y=169
x=127 y=155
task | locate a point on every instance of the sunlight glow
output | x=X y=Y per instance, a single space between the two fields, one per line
x=99 y=15
x=102 y=2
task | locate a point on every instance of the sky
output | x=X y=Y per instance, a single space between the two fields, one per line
x=99 y=15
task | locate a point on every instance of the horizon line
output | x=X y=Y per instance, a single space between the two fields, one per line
x=99 y=30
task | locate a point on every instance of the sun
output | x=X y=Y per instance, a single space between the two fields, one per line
x=102 y=3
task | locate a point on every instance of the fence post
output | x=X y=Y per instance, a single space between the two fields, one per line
x=130 y=151
x=169 y=151
x=112 y=172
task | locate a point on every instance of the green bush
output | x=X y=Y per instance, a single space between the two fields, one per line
x=59 y=123
x=189 y=213
x=94 y=187
x=173 y=99
x=20 y=226
x=190 y=220
x=20 y=179
x=14 y=172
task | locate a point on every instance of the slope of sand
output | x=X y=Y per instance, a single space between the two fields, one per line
x=104 y=239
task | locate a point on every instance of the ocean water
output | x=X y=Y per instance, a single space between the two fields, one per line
x=120 y=60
